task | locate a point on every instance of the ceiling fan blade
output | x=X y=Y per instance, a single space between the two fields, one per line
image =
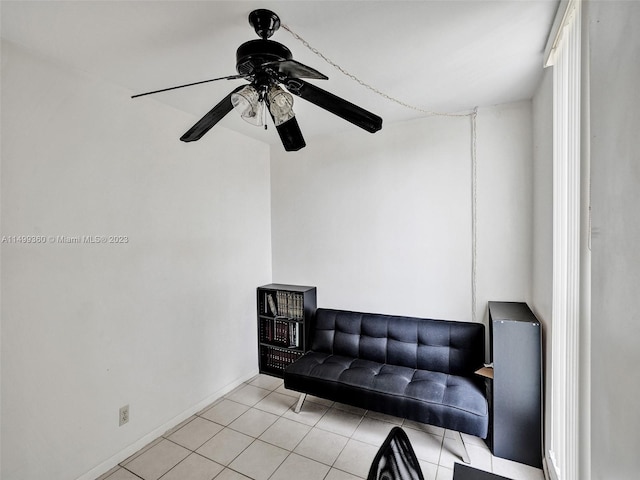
x=295 y=69
x=230 y=77
x=336 y=105
x=291 y=136
x=205 y=124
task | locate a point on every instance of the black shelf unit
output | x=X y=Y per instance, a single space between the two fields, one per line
x=285 y=313
x=515 y=392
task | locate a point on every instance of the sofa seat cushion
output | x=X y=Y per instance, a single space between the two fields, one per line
x=397 y=383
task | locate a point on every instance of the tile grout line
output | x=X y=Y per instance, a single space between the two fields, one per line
x=349 y=437
x=279 y=416
x=289 y=452
x=168 y=433
x=311 y=427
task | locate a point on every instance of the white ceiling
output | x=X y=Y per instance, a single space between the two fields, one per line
x=447 y=55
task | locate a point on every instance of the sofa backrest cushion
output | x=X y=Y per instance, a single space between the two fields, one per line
x=445 y=346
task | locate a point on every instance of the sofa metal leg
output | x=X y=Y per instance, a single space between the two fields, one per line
x=465 y=453
x=300 y=402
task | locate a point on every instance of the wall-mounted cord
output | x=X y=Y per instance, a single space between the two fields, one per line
x=369 y=87
x=474 y=213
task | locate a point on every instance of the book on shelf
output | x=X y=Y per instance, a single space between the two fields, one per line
x=294 y=336
x=272 y=304
x=280 y=330
x=290 y=304
x=287 y=333
x=279 y=359
x=283 y=304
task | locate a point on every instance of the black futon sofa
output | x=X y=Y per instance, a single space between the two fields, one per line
x=413 y=368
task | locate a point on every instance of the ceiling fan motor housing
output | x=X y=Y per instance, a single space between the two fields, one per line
x=254 y=53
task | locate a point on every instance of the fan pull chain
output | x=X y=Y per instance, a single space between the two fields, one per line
x=366 y=85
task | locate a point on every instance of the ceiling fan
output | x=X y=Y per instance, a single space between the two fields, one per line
x=269 y=66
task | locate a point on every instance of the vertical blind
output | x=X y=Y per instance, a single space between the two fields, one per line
x=564 y=55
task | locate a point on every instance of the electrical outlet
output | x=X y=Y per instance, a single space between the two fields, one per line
x=124 y=415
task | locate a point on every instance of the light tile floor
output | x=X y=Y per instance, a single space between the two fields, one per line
x=253 y=433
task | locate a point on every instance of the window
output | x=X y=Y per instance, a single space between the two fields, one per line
x=562 y=452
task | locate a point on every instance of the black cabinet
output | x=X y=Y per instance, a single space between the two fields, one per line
x=515 y=393
x=285 y=313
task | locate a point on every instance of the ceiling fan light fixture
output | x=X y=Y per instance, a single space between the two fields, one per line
x=280 y=105
x=246 y=102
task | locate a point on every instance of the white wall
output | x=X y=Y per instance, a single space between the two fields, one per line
x=542 y=235
x=542 y=248
x=505 y=204
x=378 y=222
x=382 y=223
x=89 y=328
x=614 y=45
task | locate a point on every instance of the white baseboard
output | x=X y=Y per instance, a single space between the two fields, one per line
x=112 y=462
